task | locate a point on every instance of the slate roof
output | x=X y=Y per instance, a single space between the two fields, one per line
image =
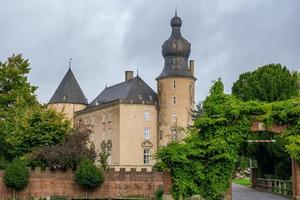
x=135 y=89
x=69 y=91
x=176 y=51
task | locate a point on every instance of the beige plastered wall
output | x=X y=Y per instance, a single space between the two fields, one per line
x=68 y=109
x=185 y=102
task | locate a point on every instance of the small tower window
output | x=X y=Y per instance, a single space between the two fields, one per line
x=174 y=84
x=174 y=134
x=174 y=119
x=174 y=100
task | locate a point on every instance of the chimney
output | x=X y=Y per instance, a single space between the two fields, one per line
x=128 y=75
x=192 y=66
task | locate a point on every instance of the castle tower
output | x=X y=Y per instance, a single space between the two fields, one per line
x=68 y=97
x=176 y=87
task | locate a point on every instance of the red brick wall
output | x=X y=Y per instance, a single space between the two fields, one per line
x=117 y=184
x=296 y=179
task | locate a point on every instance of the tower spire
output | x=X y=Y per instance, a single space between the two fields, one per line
x=70 y=62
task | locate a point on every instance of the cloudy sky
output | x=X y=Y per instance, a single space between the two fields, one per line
x=107 y=37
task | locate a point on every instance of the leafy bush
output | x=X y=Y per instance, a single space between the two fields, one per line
x=16 y=175
x=73 y=149
x=88 y=175
x=159 y=193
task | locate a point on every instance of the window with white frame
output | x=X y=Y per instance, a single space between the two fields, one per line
x=103 y=118
x=146 y=156
x=174 y=100
x=109 y=134
x=174 y=134
x=147 y=115
x=147 y=133
x=109 y=117
x=174 y=118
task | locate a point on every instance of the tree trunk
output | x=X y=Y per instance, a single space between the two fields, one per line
x=14 y=194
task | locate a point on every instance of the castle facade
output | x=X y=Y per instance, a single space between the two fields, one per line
x=129 y=120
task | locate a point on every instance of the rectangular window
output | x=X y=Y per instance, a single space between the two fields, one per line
x=174 y=134
x=147 y=133
x=103 y=118
x=174 y=118
x=174 y=100
x=109 y=117
x=109 y=133
x=147 y=116
x=174 y=84
x=146 y=156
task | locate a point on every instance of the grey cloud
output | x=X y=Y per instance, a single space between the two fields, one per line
x=105 y=38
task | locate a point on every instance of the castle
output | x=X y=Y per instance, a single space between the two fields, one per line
x=129 y=120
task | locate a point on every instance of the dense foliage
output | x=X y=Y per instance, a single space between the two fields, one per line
x=24 y=123
x=203 y=164
x=272 y=82
x=16 y=175
x=68 y=154
x=88 y=175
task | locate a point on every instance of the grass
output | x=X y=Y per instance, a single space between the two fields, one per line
x=242 y=181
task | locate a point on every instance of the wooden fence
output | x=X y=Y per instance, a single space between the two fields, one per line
x=282 y=187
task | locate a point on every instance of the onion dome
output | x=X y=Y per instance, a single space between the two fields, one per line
x=176 y=51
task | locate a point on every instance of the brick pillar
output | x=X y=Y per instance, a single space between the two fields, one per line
x=296 y=179
x=228 y=195
x=253 y=177
x=167 y=185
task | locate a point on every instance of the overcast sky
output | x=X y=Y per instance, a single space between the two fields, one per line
x=107 y=37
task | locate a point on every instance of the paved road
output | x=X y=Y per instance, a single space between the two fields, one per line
x=240 y=192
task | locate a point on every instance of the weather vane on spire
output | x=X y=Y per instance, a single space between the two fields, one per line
x=70 y=62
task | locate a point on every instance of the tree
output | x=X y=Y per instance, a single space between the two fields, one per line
x=24 y=123
x=29 y=127
x=74 y=148
x=14 y=83
x=88 y=175
x=16 y=176
x=272 y=82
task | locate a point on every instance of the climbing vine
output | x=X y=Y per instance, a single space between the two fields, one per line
x=204 y=163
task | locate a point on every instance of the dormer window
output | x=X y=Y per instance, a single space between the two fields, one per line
x=64 y=98
x=150 y=98
x=97 y=103
x=140 y=97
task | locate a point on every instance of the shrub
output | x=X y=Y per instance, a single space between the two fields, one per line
x=16 y=176
x=159 y=193
x=88 y=175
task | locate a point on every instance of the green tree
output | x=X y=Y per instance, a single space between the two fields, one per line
x=88 y=176
x=272 y=82
x=29 y=127
x=16 y=176
x=14 y=83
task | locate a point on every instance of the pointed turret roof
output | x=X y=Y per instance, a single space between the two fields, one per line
x=69 y=91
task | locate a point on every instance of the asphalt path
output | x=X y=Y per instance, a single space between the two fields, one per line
x=240 y=192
